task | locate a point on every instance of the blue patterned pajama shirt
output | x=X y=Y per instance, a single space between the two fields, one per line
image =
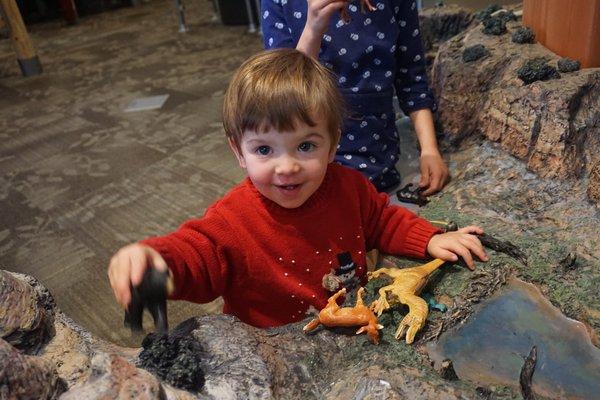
x=373 y=54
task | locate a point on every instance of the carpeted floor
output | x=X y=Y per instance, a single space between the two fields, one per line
x=79 y=177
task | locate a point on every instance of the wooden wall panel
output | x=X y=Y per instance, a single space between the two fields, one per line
x=568 y=28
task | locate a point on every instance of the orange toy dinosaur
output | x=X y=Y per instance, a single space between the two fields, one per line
x=334 y=315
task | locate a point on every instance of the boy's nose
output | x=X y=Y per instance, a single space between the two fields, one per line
x=287 y=165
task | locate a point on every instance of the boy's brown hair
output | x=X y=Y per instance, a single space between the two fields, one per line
x=278 y=88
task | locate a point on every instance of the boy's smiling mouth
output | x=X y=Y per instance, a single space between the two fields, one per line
x=288 y=187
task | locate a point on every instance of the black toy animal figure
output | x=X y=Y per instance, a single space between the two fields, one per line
x=406 y=195
x=151 y=294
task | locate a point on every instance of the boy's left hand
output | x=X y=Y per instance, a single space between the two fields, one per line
x=464 y=243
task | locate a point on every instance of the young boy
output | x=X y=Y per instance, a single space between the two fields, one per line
x=266 y=246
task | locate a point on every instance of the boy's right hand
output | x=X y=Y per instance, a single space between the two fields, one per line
x=127 y=269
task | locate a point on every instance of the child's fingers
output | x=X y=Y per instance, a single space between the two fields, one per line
x=469 y=240
x=424 y=181
x=111 y=278
x=335 y=6
x=122 y=279
x=465 y=254
x=141 y=258
x=438 y=178
x=157 y=261
x=471 y=229
x=475 y=246
x=435 y=180
x=321 y=5
x=445 y=255
x=139 y=262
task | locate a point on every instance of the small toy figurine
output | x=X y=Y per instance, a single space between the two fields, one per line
x=343 y=276
x=406 y=195
x=334 y=315
x=151 y=294
x=407 y=284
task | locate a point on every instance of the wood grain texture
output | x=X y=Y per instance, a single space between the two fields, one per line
x=568 y=28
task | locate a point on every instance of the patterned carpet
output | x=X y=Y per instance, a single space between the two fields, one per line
x=79 y=177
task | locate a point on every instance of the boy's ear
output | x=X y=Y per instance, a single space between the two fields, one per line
x=334 y=146
x=237 y=153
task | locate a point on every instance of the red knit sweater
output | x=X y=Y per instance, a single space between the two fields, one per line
x=268 y=262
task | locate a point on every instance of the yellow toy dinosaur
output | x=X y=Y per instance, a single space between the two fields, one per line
x=407 y=284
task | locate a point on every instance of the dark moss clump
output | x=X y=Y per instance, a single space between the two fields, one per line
x=523 y=35
x=494 y=26
x=474 y=53
x=568 y=65
x=537 y=69
x=487 y=12
x=507 y=15
x=174 y=359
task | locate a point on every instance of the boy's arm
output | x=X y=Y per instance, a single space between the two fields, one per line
x=392 y=229
x=199 y=256
x=274 y=26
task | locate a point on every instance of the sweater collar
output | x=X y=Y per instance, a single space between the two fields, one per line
x=315 y=202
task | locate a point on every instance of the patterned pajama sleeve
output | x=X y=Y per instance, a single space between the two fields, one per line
x=411 y=75
x=276 y=32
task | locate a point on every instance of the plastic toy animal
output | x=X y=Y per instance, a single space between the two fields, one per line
x=151 y=294
x=409 y=195
x=407 y=284
x=364 y=5
x=334 y=315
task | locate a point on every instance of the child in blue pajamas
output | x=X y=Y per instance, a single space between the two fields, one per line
x=372 y=54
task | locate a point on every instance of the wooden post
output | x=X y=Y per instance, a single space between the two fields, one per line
x=26 y=55
x=568 y=28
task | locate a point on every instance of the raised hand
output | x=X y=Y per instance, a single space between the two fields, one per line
x=320 y=12
x=127 y=268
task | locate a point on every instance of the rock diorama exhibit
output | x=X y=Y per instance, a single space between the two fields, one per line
x=520 y=127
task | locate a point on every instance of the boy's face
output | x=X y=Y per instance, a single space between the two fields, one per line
x=287 y=167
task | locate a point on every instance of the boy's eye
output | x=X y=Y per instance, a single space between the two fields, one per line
x=306 y=146
x=263 y=150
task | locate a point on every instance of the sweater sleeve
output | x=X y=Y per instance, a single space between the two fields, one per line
x=393 y=229
x=275 y=30
x=200 y=256
x=411 y=84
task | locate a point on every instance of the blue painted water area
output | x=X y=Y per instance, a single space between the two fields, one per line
x=490 y=348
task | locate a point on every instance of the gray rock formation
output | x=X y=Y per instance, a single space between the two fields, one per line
x=553 y=125
x=27 y=377
x=238 y=361
x=113 y=377
x=439 y=24
x=27 y=315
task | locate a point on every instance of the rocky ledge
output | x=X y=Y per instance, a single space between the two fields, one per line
x=551 y=124
x=236 y=360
